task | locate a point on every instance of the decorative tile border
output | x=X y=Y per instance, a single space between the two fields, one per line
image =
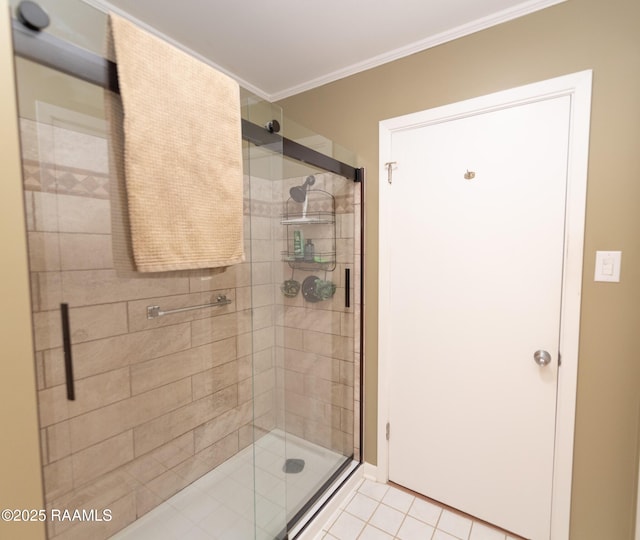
x=51 y=178
x=64 y=180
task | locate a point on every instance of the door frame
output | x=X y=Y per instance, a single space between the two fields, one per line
x=578 y=87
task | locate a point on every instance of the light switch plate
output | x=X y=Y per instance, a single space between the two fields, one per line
x=608 y=266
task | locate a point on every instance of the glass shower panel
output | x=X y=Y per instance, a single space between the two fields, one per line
x=161 y=430
x=227 y=420
x=162 y=405
x=303 y=135
x=316 y=328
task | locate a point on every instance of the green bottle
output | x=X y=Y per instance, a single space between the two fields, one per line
x=298 y=244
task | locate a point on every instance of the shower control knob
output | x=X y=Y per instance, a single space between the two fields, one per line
x=542 y=358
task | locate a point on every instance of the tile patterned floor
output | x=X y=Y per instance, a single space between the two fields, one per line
x=382 y=512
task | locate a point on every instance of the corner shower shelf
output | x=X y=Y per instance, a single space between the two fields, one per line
x=327 y=261
x=317 y=222
x=311 y=218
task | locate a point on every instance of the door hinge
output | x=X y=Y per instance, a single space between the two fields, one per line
x=559 y=359
x=388 y=430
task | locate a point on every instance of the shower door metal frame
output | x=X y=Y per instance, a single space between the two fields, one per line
x=63 y=56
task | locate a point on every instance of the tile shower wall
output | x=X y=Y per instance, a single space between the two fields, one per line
x=158 y=402
x=318 y=354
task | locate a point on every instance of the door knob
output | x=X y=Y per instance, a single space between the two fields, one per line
x=542 y=358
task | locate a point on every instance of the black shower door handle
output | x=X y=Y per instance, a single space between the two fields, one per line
x=347 y=287
x=68 y=359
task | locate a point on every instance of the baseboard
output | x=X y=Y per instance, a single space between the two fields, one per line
x=370 y=471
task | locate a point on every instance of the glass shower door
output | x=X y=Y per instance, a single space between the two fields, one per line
x=306 y=338
x=318 y=352
x=226 y=421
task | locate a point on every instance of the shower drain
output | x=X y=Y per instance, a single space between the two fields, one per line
x=293 y=466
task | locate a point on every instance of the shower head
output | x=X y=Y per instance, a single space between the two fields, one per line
x=299 y=193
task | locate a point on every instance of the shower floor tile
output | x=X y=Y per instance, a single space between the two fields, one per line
x=234 y=503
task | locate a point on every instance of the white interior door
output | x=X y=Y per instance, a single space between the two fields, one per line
x=475 y=285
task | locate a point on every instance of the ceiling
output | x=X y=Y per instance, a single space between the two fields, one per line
x=278 y=48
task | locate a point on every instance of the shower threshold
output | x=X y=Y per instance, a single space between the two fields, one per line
x=233 y=502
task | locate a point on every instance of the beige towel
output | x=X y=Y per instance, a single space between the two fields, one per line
x=183 y=155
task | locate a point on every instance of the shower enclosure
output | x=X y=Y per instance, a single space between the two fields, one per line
x=192 y=404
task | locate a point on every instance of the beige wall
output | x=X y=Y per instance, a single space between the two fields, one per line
x=573 y=36
x=20 y=473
